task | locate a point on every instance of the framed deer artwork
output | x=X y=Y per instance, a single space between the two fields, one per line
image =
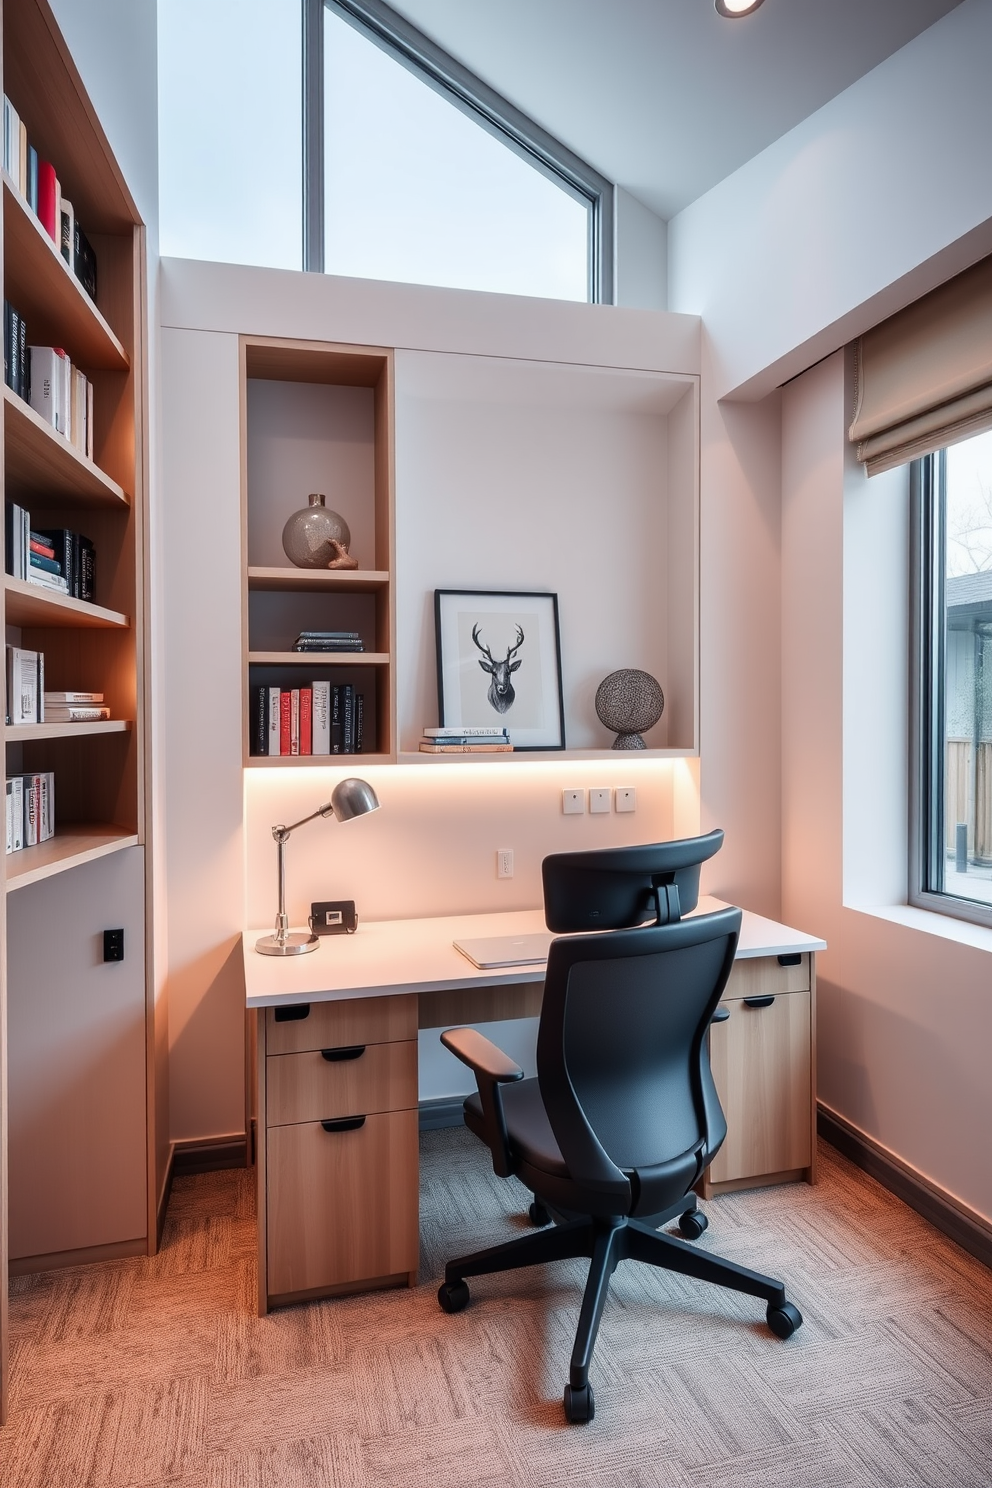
x=499 y=664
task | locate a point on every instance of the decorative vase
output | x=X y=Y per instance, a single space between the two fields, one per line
x=629 y=702
x=315 y=537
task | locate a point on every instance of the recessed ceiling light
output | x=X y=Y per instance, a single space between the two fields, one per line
x=734 y=8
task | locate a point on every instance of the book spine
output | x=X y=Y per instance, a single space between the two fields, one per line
x=32 y=191
x=285 y=722
x=31 y=811
x=68 y=233
x=335 y=719
x=306 y=720
x=22 y=158
x=321 y=717
x=48 y=200
x=17 y=814
x=426 y=748
x=294 y=721
x=274 y=721
x=8 y=344
x=44 y=391
x=260 y=739
x=9 y=796
x=359 y=723
x=40 y=684
x=23 y=360
x=48 y=564
x=89 y=421
x=86 y=568
x=348 y=720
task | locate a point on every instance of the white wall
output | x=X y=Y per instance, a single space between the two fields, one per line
x=640 y=248
x=904 y=1016
x=878 y=196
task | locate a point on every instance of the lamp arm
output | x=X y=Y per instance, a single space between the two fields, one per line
x=281 y=833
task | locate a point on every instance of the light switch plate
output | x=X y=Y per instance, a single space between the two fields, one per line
x=600 y=801
x=626 y=798
x=573 y=802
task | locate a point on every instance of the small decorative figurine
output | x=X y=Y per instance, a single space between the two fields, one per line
x=629 y=702
x=316 y=537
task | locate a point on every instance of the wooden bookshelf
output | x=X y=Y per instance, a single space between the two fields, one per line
x=319 y=659
x=318 y=580
x=100 y=769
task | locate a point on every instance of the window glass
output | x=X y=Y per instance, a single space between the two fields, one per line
x=416 y=190
x=230 y=131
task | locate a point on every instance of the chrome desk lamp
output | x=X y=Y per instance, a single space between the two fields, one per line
x=351 y=797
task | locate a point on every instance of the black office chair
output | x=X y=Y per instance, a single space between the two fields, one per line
x=620 y=1123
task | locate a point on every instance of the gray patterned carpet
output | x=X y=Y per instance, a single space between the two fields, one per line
x=154 y=1372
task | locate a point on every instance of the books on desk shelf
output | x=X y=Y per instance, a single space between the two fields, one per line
x=454 y=740
x=319 y=718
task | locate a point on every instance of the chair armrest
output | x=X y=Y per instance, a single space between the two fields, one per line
x=481 y=1054
x=492 y=1068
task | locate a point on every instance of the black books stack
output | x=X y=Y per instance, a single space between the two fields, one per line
x=455 y=740
x=51 y=557
x=328 y=640
x=75 y=556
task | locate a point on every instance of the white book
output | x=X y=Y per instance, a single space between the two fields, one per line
x=45 y=580
x=294 y=721
x=321 y=717
x=77 y=409
x=73 y=697
x=64 y=368
x=465 y=733
x=76 y=713
x=11 y=142
x=46 y=384
x=46 y=820
x=10 y=820
x=89 y=420
x=41 y=686
x=22 y=685
x=17 y=813
x=274 y=720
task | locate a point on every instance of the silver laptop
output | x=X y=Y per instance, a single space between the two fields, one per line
x=491 y=951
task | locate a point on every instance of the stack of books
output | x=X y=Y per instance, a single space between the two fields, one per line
x=30 y=810
x=318 y=718
x=37 y=183
x=328 y=640
x=466 y=741
x=74 y=707
x=52 y=557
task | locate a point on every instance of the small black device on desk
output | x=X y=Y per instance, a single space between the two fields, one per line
x=334 y=917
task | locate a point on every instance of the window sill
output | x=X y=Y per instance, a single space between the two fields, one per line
x=928 y=922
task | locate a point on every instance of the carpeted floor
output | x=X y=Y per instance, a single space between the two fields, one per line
x=157 y=1371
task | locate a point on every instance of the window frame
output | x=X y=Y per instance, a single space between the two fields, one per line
x=928 y=528
x=466 y=92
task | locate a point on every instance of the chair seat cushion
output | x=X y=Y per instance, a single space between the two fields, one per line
x=527 y=1127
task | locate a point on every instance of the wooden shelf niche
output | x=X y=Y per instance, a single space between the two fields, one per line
x=318 y=417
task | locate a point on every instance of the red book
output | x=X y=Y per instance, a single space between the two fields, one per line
x=285 y=716
x=48 y=201
x=42 y=549
x=306 y=720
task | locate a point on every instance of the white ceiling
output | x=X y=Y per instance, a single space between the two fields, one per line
x=664 y=96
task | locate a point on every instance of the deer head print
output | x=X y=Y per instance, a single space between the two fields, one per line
x=501 y=693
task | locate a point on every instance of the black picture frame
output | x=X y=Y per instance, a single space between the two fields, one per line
x=468 y=624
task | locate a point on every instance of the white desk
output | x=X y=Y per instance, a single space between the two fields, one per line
x=336 y=1087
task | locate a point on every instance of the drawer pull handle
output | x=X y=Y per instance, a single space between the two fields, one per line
x=792 y=958
x=343 y=1124
x=336 y=1056
x=758 y=1002
x=294 y=1014
x=721 y=1015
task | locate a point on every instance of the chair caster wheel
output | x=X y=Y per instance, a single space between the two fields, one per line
x=580 y=1404
x=784 y=1320
x=453 y=1296
x=693 y=1224
x=538 y=1215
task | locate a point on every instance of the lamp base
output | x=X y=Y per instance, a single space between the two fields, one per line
x=290 y=945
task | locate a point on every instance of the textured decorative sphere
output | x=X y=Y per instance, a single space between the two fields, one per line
x=629 y=702
x=308 y=534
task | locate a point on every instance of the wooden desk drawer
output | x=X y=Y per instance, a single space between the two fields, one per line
x=307 y=1087
x=357 y=1020
x=760 y=1057
x=342 y=1205
x=764 y=976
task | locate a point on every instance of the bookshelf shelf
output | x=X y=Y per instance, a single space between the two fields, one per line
x=41 y=287
x=313 y=659
x=317 y=580
x=28 y=604
x=39 y=461
x=316 y=761
x=19 y=733
x=535 y=756
x=71 y=846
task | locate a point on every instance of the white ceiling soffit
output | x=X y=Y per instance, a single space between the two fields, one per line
x=664 y=96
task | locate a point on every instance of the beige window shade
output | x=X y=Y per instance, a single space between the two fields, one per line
x=924 y=377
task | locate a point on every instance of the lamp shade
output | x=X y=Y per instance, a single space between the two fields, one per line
x=353 y=797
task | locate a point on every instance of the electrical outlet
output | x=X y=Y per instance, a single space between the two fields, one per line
x=504 y=862
x=573 y=802
x=600 y=800
x=626 y=798
x=113 y=945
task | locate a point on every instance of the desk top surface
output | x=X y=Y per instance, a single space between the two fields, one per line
x=386 y=957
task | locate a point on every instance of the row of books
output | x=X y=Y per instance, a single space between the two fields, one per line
x=28 y=702
x=46 y=379
x=37 y=183
x=30 y=810
x=328 y=640
x=322 y=718
x=52 y=557
x=454 y=740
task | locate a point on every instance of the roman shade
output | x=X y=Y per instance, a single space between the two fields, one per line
x=924 y=377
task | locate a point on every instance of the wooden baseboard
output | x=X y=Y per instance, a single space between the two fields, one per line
x=436 y=1114
x=209 y=1155
x=967 y=1228
x=88 y=1255
x=163 y=1198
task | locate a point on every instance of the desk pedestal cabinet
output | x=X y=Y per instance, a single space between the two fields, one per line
x=337 y=1153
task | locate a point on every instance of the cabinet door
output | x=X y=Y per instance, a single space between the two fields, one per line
x=77 y=1060
x=760 y=1058
x=342 y=1205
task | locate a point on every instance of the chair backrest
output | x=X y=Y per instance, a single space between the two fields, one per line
x=621 y=1053
x=614 y=888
